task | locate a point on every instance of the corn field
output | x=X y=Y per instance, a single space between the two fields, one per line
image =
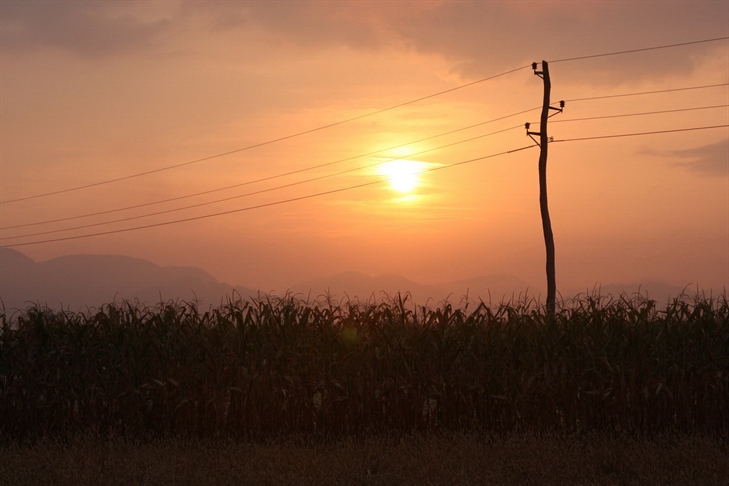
x=272 y=367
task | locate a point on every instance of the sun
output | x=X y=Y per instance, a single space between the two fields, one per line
x=403 y=175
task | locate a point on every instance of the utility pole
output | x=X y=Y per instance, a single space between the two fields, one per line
x=544 y=208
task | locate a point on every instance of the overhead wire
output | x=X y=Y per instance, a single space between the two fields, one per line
x=292 y=184
x=261 y=144
x=631 y=51
x=359 y=117
x=356 y=186
x=259 y=206
x=177 y=198
x=635 y=134
x=276 y=176
x=638 y=93
x=373 y=113
x=359 y=168
x=625 y=115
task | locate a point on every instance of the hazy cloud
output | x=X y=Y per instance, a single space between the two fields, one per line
x=712 y=159
x=88 y=29
x=481 y=34
x=479 y=37
x=304 y=23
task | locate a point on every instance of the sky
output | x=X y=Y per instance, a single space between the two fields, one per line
x=276 y=114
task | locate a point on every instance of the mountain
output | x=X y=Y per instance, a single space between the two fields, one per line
x=77 y=282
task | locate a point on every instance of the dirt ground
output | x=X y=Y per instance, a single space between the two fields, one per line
x=445 y=459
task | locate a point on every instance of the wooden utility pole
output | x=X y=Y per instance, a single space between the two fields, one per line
x=543 y=145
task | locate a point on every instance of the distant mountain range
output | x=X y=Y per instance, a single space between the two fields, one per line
x=80 y=282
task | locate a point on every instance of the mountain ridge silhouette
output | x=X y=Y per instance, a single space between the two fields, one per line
x=81 y=282
x=78 y=282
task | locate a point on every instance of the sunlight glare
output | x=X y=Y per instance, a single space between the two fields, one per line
x=403 y=175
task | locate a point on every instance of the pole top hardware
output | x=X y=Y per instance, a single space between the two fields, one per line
x=557 y=110
x=538 y=73
x=527 y=125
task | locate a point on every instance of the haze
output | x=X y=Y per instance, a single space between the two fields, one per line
x=96 y=91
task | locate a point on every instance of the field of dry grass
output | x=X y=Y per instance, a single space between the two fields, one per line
x=442 y=459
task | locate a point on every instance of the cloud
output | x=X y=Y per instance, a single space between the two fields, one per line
x=306 y=24
x=711 y=159
x=479 y=38
x=483 y=37
x=88 y=29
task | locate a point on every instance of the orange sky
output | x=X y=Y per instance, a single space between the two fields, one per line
x=92 y=91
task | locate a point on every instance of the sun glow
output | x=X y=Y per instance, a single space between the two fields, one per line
x=403 y=175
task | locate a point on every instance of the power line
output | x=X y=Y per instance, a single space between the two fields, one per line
x=638 y=93
x=320 y=177
x=174 y=166
x=357 y=186
x=326 y=176
x=140 y=174
x=616 y=53
x=346 y=121
x=635 y=134
x=624 y=115
x=137 y=206
x=259 y=206
x=157 y=213
x=311 y=179
x=261 y=144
